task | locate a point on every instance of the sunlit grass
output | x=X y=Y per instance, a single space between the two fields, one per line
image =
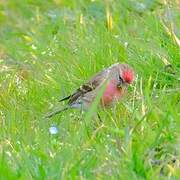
x=48 y=49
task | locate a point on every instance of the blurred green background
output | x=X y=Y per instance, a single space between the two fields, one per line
x=49 y=48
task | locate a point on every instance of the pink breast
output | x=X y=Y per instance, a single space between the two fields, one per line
x=111 y=93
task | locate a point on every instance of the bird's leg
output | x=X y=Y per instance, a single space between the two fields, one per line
x=114 y=112
x=81 y=110
x=99 y=117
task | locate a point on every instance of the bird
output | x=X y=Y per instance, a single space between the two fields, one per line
x=117 y=78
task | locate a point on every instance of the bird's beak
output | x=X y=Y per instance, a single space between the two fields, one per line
x=119 y=85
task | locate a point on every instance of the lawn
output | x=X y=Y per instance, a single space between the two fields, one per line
x=48 y=49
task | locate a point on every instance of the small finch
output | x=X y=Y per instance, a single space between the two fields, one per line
x=117 y=78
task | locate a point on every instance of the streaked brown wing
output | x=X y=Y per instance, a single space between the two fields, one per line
x=87 y=87
x=80 y=92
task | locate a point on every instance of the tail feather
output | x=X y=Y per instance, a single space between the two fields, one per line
x=49 y=115
x=65 y=98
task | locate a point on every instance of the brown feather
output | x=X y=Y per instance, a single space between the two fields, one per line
x=87 y=87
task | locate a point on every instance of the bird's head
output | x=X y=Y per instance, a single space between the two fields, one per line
x=125 y=75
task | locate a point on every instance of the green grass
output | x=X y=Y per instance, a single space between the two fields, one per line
x=49 y=48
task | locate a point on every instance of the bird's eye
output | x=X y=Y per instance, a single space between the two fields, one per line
x=120 y=79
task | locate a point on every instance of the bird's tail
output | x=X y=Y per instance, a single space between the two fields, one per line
x=49 y=115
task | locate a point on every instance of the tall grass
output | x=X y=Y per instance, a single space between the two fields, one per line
x=48 y=49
